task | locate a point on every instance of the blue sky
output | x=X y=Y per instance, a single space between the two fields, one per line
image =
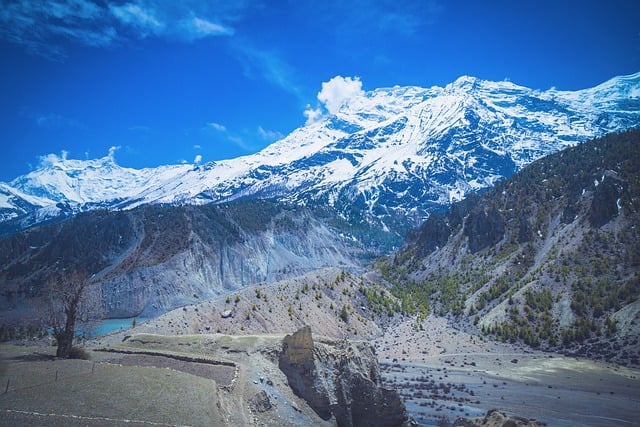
x=194 y=81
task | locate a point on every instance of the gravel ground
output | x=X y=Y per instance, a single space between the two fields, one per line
x=443 y=374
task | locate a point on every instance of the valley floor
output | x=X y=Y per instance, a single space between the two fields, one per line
x=444 y=374
x=441 y=374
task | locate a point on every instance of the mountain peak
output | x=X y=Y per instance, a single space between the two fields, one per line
x=465 y=82
x=388 y=156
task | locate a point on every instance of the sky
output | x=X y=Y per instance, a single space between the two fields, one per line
x=152 y=82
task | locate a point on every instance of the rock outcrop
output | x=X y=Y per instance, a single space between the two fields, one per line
x=495 y=418
x=484 y=227
x=432 y=234
x=340 y=379
x=605 y=204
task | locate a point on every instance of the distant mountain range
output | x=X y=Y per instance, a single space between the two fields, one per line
x=388 y=158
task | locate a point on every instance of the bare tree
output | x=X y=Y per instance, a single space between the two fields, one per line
x=69 y=304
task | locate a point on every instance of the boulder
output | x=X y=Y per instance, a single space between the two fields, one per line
x=260 y=402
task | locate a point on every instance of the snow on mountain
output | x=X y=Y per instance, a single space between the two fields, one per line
x=15 y=203
x=390 y=155
x=80 y=182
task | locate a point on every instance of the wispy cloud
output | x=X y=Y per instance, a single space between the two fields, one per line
x=241 y=142
x=216 y=126
x=112 y=152
x=245 y=139
x=268 y=65
x=134 y=15
x=197 y=28
x=44 y=28
x=219 y=132
x=56 y=121
x=35 y=24
x=140 y=129
x=404 y=17
x=269 y=135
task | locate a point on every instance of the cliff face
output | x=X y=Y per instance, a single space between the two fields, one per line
x=340 y=379
x=149 y=260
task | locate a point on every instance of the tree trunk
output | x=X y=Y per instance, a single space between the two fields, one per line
x=65 y=336
x=65 y=344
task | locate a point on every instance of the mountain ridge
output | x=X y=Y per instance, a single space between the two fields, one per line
x=396 y=154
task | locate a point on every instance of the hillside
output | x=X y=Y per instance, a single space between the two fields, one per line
x=148 y=260
x=549 y=257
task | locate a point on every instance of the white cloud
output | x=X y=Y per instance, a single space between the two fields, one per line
x=34 y=24
x=52 y=159
x=338 y=91
x=198 y=159
x=335 y=94
x=197 y=147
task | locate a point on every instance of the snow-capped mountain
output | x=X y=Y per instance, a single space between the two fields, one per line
x=391 y=155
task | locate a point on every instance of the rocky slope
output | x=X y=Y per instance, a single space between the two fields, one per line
x=332 y=301
x=389 y=156
x=146 y=261
x=549 y=257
